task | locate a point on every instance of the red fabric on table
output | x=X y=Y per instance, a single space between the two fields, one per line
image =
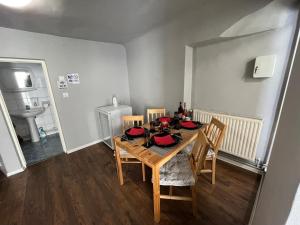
x=136 y=131
x=165 y=140
x=165 y=119
x=188 y=124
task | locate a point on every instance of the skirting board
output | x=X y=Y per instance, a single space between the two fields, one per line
x=222 y=158
x=68 y=152
x=83 y=146
x=50 y=132
x=241 y=165
x=2 y=170
x=14 y=172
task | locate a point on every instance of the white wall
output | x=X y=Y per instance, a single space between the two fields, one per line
x=223 y=78
x=156 y=59
x=102 y=68
x=8 y=155
x=294 y=215
x=283 y=177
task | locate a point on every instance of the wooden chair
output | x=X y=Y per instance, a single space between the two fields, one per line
x=215 y=133
x=127 y=158
x=152 y=114
x=182 y=170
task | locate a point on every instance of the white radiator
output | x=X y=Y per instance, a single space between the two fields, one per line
x=241 y=136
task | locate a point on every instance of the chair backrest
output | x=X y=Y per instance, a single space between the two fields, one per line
x=199 y=152
x=215 y=133
x=131 y=121
x=152 y=114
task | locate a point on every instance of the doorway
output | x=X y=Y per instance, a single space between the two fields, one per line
x=29 y=109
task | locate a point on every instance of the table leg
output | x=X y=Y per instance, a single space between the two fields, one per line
x=156 y=194
x=119 y=165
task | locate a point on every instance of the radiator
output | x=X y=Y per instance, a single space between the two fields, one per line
x=241 y=136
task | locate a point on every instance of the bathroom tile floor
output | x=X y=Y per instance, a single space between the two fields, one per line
x=42 y=150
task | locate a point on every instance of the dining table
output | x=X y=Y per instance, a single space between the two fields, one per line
x=153 y=157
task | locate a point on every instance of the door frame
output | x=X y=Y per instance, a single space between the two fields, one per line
x=52 y=102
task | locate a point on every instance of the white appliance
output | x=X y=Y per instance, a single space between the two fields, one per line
x=110 y=121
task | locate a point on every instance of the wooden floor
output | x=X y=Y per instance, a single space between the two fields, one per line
x=82 y=188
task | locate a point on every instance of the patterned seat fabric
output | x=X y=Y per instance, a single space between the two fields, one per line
x=177 y=172
x=210 y=153
x=188 y=150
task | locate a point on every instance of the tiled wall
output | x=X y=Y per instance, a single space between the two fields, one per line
x=35 y=98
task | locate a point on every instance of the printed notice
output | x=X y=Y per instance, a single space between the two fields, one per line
x=73 y=78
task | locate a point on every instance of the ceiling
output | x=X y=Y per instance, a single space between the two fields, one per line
x=100 y=20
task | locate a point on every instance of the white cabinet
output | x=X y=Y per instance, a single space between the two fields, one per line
x=110 y=121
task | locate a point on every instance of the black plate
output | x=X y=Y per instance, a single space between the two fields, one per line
x=176 y=139
x=135 y=136
x=199 y=125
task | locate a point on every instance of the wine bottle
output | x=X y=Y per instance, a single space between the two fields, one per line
x=184 y=109
x=180 y=109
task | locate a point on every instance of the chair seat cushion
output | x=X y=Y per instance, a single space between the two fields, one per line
x=125 y=154
x=188 y=150
x=210 y=153
x=177 y=172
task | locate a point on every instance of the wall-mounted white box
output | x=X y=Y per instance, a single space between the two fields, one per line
x=264 y=66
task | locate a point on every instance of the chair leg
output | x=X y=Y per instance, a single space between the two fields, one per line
x=204 y=164
x=171 y=190
x=119 y=169
x=194 y=200
x=143 y=172
x=213 y=168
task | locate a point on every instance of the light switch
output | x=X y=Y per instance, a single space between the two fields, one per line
x=65 y=95
x=61 y=78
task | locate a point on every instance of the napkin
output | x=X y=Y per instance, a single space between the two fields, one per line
x=188 y=124
x=165 y=119
x=135 y=131
x=165 y=140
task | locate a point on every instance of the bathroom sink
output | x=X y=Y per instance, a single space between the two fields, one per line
x=28 y=113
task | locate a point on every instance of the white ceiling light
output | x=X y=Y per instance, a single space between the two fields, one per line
x=15 y=3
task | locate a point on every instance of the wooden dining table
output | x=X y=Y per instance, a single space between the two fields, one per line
x=152 y=159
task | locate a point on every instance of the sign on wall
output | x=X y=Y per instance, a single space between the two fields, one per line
x=73 y=78
x=62 y=83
